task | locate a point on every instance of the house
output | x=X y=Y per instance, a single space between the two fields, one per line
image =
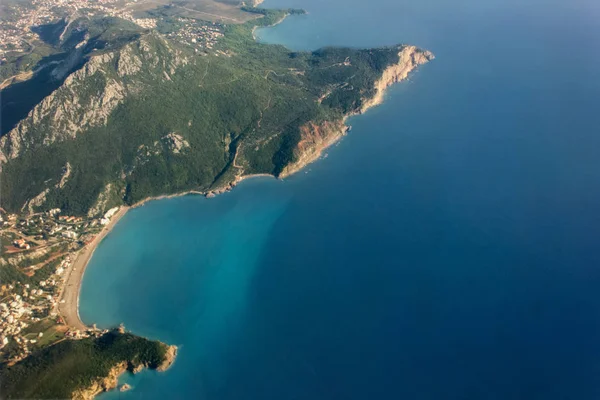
x=21 y=244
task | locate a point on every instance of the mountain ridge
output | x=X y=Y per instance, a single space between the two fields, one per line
x=241 y=108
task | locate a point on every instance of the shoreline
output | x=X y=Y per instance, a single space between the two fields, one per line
x=268 y=26
x=409 y=58
x=71 y=288
x=69 y=310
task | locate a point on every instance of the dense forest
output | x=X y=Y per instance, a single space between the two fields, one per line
x=56 y=372
x=238 y=109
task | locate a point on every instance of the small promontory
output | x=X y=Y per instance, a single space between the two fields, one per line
x=82 y=369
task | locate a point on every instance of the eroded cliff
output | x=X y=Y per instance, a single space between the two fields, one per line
x=315 y=138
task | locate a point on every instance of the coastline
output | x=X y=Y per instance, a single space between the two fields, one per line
x=409 y=58
x=268 y=26
x=69 y=310
x=70 y=291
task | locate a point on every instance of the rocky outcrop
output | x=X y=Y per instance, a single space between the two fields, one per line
x=65 y=176
x=68 y=110
x=102 y=203
x=36 y=201
x=40 y=199
x=175 y=143
x=89 y=95
x=128 y=62
x=172 y=143
x=410 y=57
x=169 y=359
x=111 y=381
x=102 y=385
x=314 y=139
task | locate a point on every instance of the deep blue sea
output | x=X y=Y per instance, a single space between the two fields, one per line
x=447 y=248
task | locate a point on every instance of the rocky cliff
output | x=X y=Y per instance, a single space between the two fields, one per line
x=410 y=57
x=111 y=381
x=315 y=138
x=103 y=384
x=90 y=94
x=169 y=359
x=153 y=117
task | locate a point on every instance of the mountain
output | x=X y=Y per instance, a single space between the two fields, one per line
x=136 y=113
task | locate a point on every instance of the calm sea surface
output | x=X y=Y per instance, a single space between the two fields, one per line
x=448 y=248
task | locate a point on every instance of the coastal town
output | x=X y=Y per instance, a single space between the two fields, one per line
x=39 y=253
x=43 y=255
x=17 y=27
x=21 y=22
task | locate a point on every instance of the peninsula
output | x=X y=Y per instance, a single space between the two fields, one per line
x=108 y=136
x=130 y=109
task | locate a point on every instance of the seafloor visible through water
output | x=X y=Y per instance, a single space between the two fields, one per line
x=446 y=249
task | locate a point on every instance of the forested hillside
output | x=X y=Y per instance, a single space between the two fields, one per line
x=141 y=114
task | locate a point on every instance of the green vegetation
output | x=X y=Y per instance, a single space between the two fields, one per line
x=239 y=107
x=12 y=272
x=107 y=33
x=57 y=371
x=50 y=330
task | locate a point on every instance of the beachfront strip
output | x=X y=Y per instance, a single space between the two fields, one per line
x=38 y=253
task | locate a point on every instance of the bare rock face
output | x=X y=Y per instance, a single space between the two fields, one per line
x=169 y=358
x=102 y=203
x=102 y=385
x=175 y=142
x=128 y=63
x=125 y=387
x=89 y=95
x=410 y=57
x=65 y=176
x=68 y=110
x=315 y=138
x=40 y=199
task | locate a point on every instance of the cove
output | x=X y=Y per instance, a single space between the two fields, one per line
x=445 y=249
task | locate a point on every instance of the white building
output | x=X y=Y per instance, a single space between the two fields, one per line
x=70 y=235
x=110 y=213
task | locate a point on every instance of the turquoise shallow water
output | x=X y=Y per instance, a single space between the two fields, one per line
x=447 y=248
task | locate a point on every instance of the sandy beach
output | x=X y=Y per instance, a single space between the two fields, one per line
x=69 y=309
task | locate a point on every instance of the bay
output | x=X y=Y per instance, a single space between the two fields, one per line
x=447 y=248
